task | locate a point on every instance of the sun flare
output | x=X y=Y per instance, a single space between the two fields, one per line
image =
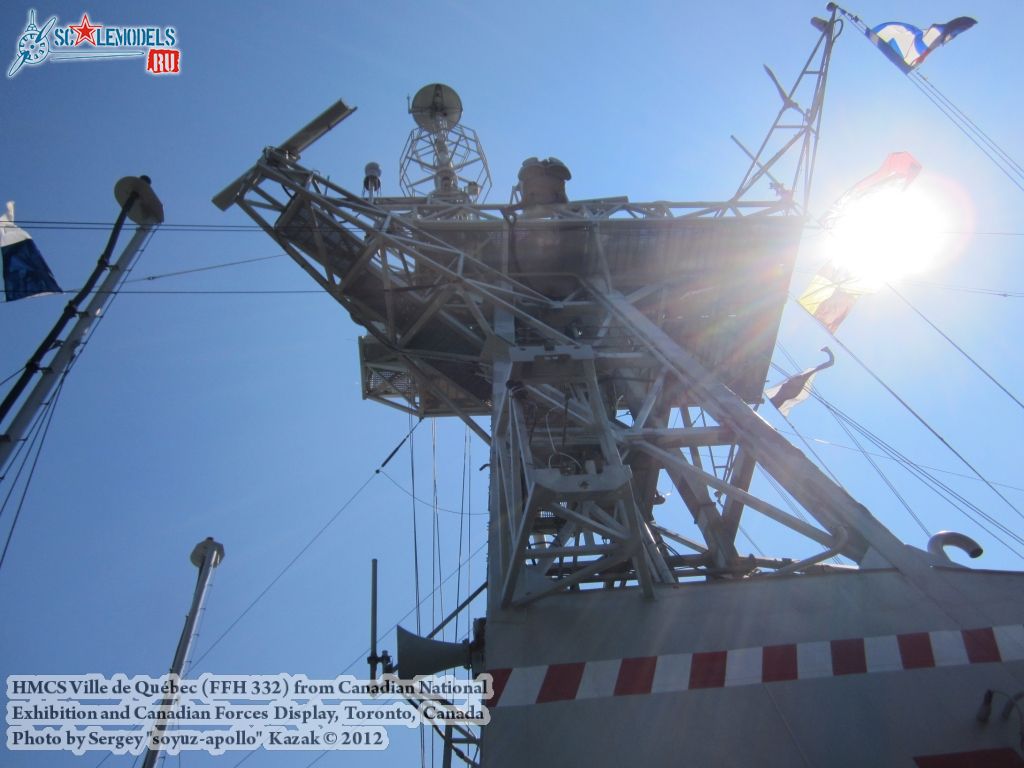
x=889 y=235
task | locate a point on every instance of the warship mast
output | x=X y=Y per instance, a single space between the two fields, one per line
x=584 y=329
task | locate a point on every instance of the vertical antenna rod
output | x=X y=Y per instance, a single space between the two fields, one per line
x=373 y=620
x=384 y=659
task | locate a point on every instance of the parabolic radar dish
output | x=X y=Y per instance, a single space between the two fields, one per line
x=436 y=107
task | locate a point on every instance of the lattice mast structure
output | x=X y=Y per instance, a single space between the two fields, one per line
x=582 y=329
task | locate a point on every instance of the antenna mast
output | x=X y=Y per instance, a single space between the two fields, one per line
x=53 y=358
x=443 y=159
x=620 y=348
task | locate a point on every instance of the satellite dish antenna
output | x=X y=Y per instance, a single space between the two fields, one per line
x=436 y=107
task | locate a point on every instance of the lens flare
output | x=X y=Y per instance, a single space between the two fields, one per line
x=889 y=235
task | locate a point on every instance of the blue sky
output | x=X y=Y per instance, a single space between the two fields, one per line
x=227 y=402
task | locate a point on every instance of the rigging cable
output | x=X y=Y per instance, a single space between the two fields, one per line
x=436 y=525
x=469 y=494
x=867 y=457
x=416 y=565
x=885 y=478
x=16 y=454
x=807 y=445
x=215 y=292
x=831 y=444
x=999 y=157
x=821 y=462
x=302 y=550
x=196 y=228
x=752 y=542
x=16 y=373
x=919 y=418
x=779 y=488
x=286 y=568
x=435 y=559
x=406 y=491
x=11 y=397
x=415 y=532
x=253 y=752
x=150 y=278
x=956 y=500
x=50 y=408
x=974 y=126
x=361 y=658
x=462 y=521
x=1002 y=159
x=864 y=453
x=300 y=291
x=956 y=346
x=945 y=492
x=47 y=417
x=963 y=289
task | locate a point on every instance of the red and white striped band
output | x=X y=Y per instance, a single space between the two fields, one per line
x=523 y=686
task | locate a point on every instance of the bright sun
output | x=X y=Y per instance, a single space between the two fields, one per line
x=888 y=235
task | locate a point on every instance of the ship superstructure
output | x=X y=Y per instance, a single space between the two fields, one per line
x=609 y=342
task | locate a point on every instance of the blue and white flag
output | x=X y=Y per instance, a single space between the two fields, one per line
x=25 y=270
x=906 y=46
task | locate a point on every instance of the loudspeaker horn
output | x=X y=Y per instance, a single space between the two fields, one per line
x=419 y=656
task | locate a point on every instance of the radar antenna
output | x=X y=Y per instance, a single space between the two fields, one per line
x=443 y=160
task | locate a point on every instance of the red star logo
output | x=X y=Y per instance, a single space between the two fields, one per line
x=86 y=32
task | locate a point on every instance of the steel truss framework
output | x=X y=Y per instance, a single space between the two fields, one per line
x=455 y=329
x=581 y=329
x=462 y=157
